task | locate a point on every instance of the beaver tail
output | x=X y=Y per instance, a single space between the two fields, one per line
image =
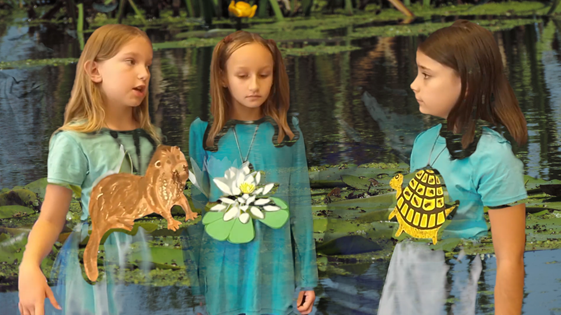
x=90 y=255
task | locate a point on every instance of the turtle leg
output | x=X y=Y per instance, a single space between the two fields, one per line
x=399 y=230
x=393 y=213
x=435 y=237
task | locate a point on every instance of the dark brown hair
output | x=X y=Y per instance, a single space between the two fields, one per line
x=486 y=94
x=277 y=104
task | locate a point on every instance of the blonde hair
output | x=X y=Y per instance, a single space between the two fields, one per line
x=84 y=111
x=277 y=104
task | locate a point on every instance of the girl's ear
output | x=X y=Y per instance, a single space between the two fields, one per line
x=92 y=69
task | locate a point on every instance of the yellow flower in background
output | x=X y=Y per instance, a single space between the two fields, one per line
x=242 y=9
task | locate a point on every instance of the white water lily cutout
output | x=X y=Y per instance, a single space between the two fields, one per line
x=197 y=178
x=244 y=199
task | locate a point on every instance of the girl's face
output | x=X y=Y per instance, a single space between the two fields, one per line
x=249 y=75
x=124 y=78
x=437 y=87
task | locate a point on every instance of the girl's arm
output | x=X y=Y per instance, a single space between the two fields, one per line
x=50 y=223
x=301 y=219
x=193 y=234
x=508 y=226
x=32 y=284
x=499 y=178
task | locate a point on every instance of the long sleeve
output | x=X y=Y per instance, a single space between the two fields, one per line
x=301 y=220
x=193 y=234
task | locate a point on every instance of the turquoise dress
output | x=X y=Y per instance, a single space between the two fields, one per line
x=79 y=159
x=258 y=277
x=416 y=282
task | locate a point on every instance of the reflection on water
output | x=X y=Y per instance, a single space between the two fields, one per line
x=330 y=93
x=359 y=291
x=355 y=107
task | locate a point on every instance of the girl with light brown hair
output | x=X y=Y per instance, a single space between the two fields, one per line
x=257 y=246
x=107 y=112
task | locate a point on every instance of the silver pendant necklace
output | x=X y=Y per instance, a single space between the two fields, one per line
x=250 y=146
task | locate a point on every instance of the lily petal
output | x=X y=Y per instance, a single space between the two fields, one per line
x=228 y=201
x=240 y=177
x=222 y=186
x=232 y=213
x=246 y=169
x=193 y=178
x=245 y=196
x=262 y=201
x=268 y=188
x=251 y=200
x=244 y=217
x=271 y=208
x=244 y=208
x=258 y=191
x=257 y=213
x=241 y=200
x=257 y=178
x=218 y=207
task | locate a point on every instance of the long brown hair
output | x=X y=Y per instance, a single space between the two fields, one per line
x=277 y=104
x=486 y=94
x=85 y=109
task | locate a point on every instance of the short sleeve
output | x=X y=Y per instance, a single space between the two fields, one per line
x=498 y=175
x=67 y=164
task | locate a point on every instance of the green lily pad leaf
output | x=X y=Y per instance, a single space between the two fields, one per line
x=242 y=232
x=275 y=219
x=220 y=229
x=447 y=244
x=212 y=217
x=355 y=182
x=39 y=187
x=279 y=203
x=10 y=211
x=348 y=245
x=4 y=237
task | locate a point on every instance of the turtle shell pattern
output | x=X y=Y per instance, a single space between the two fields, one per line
x=421 y=203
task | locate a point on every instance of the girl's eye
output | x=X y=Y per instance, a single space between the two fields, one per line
x=242 y=76
x=130 y=61
x=426 y=76
x=265 y=75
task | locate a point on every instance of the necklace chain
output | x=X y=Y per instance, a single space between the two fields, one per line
x=250 y=145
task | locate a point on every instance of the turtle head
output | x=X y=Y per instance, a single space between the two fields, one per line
x=396 y=181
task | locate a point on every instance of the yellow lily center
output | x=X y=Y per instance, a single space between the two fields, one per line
x=247 y=188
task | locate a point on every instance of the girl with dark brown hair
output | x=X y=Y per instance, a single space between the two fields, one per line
x=460 y=79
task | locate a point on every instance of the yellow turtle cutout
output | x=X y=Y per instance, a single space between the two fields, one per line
x=420 y=208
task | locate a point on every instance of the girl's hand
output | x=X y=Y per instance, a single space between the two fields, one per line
x=306 y=301
x=33 y=289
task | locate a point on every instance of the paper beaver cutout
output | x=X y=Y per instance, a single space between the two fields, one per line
x=117 y=200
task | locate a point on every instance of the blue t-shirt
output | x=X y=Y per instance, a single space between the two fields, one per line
x=492 y=176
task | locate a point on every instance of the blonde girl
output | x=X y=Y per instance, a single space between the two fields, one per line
x=108 y=109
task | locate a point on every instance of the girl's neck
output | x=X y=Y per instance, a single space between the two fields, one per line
x=240 y=112
x=121 y=120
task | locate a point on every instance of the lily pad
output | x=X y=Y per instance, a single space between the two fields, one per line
x=355 y=182
x=220 y=229
x=275 y=219
x=242 y=232
x=10 y=211
x=348 y=245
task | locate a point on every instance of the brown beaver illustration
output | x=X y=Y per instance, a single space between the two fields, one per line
x=119 y=199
